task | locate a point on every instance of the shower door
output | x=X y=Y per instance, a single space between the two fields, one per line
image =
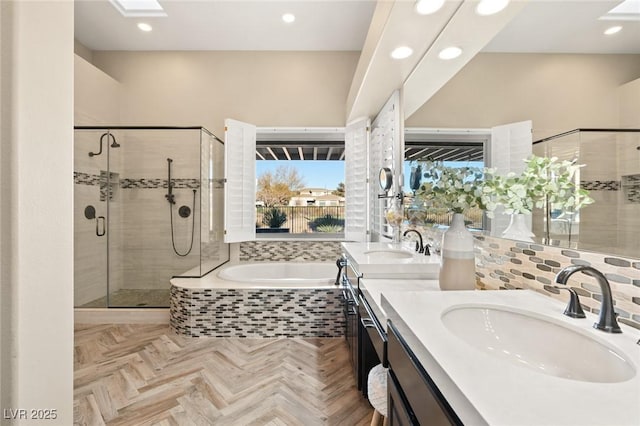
x=137 y=214
x=91 y=183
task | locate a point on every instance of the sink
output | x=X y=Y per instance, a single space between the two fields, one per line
x=388 y=254
x=539 y=344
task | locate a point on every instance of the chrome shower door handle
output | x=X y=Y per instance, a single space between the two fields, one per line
x=104 y=226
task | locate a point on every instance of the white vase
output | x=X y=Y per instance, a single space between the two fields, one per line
x=457 y=262
x=518 y=229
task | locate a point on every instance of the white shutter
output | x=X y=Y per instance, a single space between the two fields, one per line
x=385 y=150
x=240 y=176
x=510 y=145
x=356 y=140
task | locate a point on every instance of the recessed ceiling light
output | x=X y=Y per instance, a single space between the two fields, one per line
x=427 y=7
x=401 y=52
x=137 y=8
x=613 y=30
x=450 y=53
x=144 y=27
x=490 y=7
x=288 y=17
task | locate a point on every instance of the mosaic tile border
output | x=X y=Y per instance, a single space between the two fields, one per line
x=600 y=185
x=257 y=313
x=81 y=178
x=154 y=183
x=506 y=264
x=274 y=251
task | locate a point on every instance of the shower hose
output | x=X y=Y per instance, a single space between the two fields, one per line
x=193 y=225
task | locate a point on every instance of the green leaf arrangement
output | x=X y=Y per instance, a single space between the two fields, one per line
x=544 y=180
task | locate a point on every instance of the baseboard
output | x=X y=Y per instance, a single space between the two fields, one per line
x=121 y=316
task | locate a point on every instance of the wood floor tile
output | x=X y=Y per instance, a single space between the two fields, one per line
x=141 y=374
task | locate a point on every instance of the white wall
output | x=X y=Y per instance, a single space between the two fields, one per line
x=37 y=194
x=96 y=96
x=203 y=88
x=630 y=104
x=558 y=92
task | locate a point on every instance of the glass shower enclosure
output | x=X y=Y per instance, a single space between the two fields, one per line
x=611 y=174
x=147 y=207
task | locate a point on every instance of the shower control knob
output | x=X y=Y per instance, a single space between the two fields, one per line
x=184 y=211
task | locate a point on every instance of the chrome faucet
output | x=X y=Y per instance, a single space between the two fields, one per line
x=607 y=320
x=420 y=245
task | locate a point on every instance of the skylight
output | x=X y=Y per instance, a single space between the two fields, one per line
x=628 y=10
x=137 y=8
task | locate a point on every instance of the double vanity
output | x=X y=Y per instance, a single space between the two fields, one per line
x=481 y=357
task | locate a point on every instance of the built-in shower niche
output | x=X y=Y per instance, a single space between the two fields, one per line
x=144 y=239
x=109 y=183
x=631 y=188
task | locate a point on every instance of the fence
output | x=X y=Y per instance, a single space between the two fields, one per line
x=312 y=219
x=472 y=217
x=307 y=219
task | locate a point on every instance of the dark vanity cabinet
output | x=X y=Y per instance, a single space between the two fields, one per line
x=350 y=309
x=413 y=397
x=366 y=352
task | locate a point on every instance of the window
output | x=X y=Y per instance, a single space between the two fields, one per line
x=300 y=182
x=455 y=148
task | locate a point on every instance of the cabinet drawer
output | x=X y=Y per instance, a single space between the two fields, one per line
x=425 y=400
x=374 y=330
x=399 y=411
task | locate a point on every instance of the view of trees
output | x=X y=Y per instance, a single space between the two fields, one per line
x=276 y=188
x=339 y=191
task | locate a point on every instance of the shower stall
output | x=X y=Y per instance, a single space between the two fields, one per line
x=148 y=206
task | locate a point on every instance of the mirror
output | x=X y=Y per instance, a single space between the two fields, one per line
x=612 y=176
x=386 y=178
x=558 y=92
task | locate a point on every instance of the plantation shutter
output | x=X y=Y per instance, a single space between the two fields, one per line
x=510 y=145
x=240 y=177
x=356 y=141
x=386 y=149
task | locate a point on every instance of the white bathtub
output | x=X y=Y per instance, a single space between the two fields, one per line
x=266 y=275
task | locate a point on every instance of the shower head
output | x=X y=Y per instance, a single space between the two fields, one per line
x=114 y=143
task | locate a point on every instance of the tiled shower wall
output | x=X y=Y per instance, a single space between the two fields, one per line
x=139 y=230
x=609 y=225
x=507 y=264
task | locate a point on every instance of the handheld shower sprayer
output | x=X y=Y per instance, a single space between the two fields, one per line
x=183 y=211
x=169 y=196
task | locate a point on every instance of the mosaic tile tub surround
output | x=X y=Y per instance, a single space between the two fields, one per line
x=257 y=313
x=277 y=251
x=507 y=264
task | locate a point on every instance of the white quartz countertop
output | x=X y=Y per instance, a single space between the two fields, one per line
x=484 y=389
x=369 y=260
x=374 y=288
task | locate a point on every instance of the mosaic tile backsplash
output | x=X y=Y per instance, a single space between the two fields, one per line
x=507 y=264
x=274 y=251
x=257 y=313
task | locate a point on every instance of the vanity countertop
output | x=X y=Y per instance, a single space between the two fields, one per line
x=485 y=389
x=374 y=288
x=382 y=260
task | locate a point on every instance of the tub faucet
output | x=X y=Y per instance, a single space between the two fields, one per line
x=607 y=320
x=420 y=245
x=340 y=263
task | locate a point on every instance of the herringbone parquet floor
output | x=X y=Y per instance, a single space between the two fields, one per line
x=146 y=375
